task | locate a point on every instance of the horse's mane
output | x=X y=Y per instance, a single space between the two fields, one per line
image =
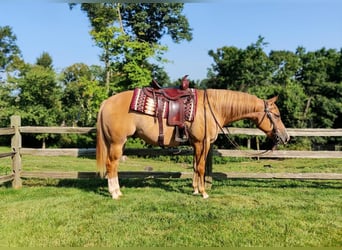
x=232 y=103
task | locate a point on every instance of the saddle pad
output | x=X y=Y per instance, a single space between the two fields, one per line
x=148 y=105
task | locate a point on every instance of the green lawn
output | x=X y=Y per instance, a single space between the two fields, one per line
x=163 y=212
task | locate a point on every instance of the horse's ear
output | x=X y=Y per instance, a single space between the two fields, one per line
x=273 y=99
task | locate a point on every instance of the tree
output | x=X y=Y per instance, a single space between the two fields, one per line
x=82 y=96
x=9 y=54
x=284 y=66
x=149 y=22
x=160 y=75
x=238 y=69
x=129 y=35
x=5 y=106
x=36 y=97
x=45 y=60
x=75 y=72
x=39 y=91
x=126 y=56
x=322 y=85
x=8 y=48
x=337 y=73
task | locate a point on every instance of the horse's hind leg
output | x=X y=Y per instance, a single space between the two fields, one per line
x=115 y=153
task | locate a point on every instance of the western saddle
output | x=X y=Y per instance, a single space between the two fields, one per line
x=176 y=99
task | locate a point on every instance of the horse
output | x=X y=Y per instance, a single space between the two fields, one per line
x=216 y=108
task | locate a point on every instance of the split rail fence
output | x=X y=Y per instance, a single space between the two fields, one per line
x=15 y=130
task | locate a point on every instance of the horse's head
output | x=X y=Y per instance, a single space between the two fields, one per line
x=270 y=122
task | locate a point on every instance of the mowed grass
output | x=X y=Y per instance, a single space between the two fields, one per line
x=163 y=212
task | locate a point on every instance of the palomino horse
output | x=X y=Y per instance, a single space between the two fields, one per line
x=215 y=109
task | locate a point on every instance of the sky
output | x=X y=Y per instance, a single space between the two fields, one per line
x=50 y=26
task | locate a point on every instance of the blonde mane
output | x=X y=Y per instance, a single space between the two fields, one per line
x=232 y=104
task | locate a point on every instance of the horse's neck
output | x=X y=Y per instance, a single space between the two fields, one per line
x=233 y=105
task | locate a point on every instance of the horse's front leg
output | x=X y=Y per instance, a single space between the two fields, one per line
x=200 y=158
x=112 y=170
x=195 y=177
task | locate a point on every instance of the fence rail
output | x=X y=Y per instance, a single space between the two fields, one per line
x=56 y=130
x=286 y=154
x=15 y=130
x=220 y=152
x=6 y=131
x=291 y=131
x=233 y=131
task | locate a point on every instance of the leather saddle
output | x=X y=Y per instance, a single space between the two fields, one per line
x=175 y=102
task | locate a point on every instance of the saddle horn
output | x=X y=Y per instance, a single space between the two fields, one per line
x=185 y=83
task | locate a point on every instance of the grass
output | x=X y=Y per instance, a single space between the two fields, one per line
x=163 y=212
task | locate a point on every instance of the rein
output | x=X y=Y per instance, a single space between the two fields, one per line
x=228 y=136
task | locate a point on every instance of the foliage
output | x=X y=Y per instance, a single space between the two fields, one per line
x=35 y=94
x=9 y=50
x=129 y=36
x=151 y=21
x=38 y=96
x=75 y=141
x=127 y=56
x=322 y=85
x=45 y=60
x=9 y=53
x=161 y=75
x=238 y=69
x=135 y=143
x=6 y=110
x=82 y=96
x=81 y=102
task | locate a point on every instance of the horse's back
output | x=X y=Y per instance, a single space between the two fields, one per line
x=118 y=101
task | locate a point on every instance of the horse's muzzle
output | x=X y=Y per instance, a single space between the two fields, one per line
x=280 y=139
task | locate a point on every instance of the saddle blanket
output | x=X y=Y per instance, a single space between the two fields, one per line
x=145 y=104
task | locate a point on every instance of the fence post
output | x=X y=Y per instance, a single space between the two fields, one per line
x=209 y=168
x=16 y=146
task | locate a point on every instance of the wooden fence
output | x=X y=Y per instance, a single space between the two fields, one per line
x=15 y=130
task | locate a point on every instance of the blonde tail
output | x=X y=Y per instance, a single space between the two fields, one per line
x=101 y=146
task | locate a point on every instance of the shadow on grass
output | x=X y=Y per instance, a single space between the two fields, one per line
x=99 y=186
x=280 y=183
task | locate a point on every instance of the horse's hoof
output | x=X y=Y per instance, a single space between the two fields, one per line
x=116 y=195
x=195 y=192
x=205 y=196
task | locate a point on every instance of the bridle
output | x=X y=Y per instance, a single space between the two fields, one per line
x=271 y=116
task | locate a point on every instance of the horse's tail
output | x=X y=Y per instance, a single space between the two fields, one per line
x=101 y=145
